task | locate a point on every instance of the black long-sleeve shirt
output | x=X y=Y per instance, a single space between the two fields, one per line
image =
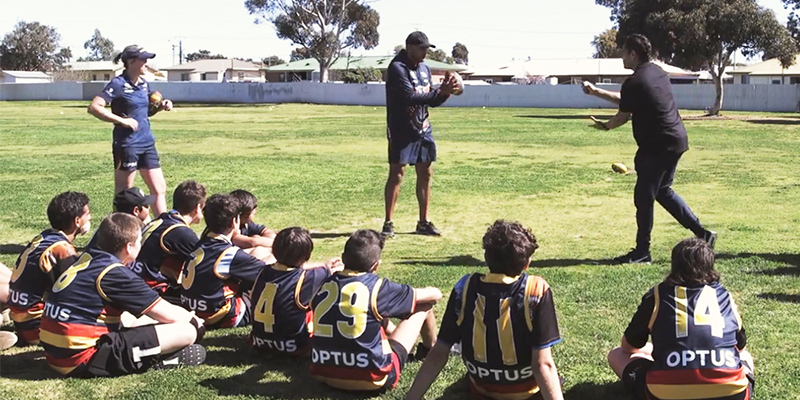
x=409 y=92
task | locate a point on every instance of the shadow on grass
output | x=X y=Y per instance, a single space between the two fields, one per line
x=786 y=298
x=29 y=365
x=588 y=390
x=11 y=248
x=454 y=261
x=563 y=116
x=774 y=121
x=568 y=262
x=791 y=260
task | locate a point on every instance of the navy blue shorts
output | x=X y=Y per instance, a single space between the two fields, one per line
x=135 y=158
x=420 y=151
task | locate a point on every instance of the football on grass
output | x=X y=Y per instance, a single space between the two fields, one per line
x=619 y=168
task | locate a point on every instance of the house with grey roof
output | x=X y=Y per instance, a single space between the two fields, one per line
x=308 y=69
x=221 y=70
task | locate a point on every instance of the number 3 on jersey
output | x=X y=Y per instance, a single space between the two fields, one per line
x=353 y=301
x=706 y=312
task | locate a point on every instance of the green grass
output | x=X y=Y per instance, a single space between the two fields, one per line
x=323 y=167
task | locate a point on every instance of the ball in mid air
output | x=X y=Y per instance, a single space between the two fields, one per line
x=619 y=168
x=156 y=102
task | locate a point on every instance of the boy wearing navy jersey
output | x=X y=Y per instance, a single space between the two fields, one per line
x=43 y=260
x=81 y=331
x=168 y=240
x=354 y=346
x=506 y=324
x=217 y=275
x=252 y=234
x=698 y=341
x=282 y=295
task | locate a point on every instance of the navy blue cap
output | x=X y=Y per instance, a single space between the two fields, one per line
x=419 y=39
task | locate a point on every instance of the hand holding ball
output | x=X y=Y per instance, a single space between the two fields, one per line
x=455 y=81
x=156 y=103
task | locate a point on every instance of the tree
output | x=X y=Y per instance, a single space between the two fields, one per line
x=32 y=46
x=100 y=48
x=272 y=60
x=605 y=45
x=323 y=28
x=203 y=55
x=460 y=54
x=438 y=55
x=399 y=48
x=704 y=34
x=300 y=53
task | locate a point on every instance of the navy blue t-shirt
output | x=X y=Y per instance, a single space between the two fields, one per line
x=129 y=100
x=409 y=92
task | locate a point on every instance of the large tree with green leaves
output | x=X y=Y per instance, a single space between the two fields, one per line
x=203 y=55
x=438 y=55
x=704 y=34
x=605 y=44
x=32 y=46
x=460 y=53
x=100 y=48
x=324 y=28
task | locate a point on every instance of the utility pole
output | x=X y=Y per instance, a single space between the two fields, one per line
x=180 y=52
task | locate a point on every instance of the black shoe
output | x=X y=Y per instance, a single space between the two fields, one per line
x=634 y=257
x=427 y=228
x=711 y=238
x=191 y=355
x=420 y=353
x=388 y=229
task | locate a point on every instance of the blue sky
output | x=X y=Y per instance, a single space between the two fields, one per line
x=493 y=31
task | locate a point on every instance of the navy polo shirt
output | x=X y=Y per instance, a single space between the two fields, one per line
x=657 y=126
x=409 y=92
x=129 y=100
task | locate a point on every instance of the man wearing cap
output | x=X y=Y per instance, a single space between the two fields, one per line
x=134 y=144
x=130 y=201
x=409 y=92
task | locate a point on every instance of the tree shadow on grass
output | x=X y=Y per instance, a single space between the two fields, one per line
x=791 y=260
x=588 y=390
x=787 y=298
x=329 y=235
x=781 y=121
x=545 y=116
x=568 y=262
x=11 y=248
x=454 y=261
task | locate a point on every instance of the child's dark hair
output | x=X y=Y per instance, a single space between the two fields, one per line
x=362 y=250
x=292 y=247
x=247 y=201
x=640 y=45
x=507 y=247
x=117 y=230
x=187 y=196
x=220 y=211
x=692 y=262
x=64 y=208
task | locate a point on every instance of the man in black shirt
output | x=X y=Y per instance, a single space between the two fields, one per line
x=409 y=92
x=661 y=137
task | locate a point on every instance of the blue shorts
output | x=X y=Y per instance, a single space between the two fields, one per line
x=135 y=158
x=420 y=151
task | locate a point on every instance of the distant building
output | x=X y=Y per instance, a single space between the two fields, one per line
x=569 y=71
x=24 y=77
x=767 y=72
x=308 y=69
x=102 y=71
x=221 y=70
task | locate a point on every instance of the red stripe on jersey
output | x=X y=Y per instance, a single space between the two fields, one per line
x=695 y=376
x=72 y=361
x=60 y=328
x=355 y=374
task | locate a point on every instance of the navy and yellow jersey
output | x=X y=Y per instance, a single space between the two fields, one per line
x=130 y=100
x=214 y=274
x=349 y=348
x=282 y=307
x=167 y=242
x=85 y=303
x=499 y=321
x=697 y=333
x=32 y=276
x=252 y=229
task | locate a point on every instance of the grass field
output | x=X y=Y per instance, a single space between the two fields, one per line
x=323 y=167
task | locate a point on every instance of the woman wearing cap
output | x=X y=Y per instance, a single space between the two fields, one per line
x=134 y=144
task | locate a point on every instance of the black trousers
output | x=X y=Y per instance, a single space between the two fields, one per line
x=655 y=173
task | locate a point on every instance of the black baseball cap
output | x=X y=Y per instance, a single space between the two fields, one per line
x=418 y=38
x=135 y=51
x=126 y=200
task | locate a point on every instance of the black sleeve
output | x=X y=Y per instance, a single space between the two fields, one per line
x=741 y=339
x=629 y=96
x=246 y=268
x=438 y=100
x=448 y=331
x=545 y=324
x=312 y=281
x=127 y=291
x=399 y=86
x=638 y=331
x=255 y=229
x=180 y=240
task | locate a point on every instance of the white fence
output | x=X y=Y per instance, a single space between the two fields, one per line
x=775 y=98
